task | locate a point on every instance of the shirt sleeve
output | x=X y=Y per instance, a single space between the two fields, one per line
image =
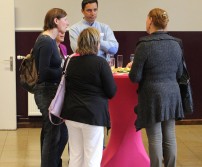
x=108 y=42
x=136 y=71
x=73 y=36
x=48 y=70
x=63 y=50
x=108 y=82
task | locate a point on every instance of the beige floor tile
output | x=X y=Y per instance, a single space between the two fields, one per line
x=34 y=132
x=35 y=138
x=16 y=139
x=1 y=151
x=65 y=160
x=18 y=132
x=1 y=148
x=3 y=134
x=195 y=128
x=32 y=158
x=197 y=151
x=189 y=140
x=16 y=143
x=145 y=140
x=190 y=166
x=187 y=157
x=106 y=137
x=13 y=156
x=65 y=156
x=2 y=143
x=178 y=165
x=32 y=165
x=12 y=164
x=21 y=148
x=33 y=145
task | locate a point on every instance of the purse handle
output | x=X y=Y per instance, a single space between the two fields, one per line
x=185 y=74
x=68 y=60
x=185 y=71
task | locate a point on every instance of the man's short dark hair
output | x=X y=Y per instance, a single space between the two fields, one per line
x=85 y=2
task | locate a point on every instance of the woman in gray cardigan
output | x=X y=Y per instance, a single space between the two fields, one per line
x=156 y=67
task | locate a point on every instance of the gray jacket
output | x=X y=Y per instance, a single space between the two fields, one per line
x=157 y=66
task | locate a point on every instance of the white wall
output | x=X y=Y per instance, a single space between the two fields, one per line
x=128 y=15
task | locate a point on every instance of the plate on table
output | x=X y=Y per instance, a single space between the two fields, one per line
x=123 y=70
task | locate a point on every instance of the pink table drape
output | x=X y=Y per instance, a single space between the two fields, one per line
x=125 y=147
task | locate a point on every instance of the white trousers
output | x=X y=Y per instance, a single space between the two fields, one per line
x=85 y=144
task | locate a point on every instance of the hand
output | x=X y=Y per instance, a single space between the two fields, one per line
x=129 y=65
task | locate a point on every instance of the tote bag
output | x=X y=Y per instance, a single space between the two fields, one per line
x=186 y=91
x=56 y=105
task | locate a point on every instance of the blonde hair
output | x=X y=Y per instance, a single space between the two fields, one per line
x=159 y=17
x=88 y=41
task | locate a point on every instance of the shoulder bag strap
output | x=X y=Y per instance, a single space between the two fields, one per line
x=68 y=60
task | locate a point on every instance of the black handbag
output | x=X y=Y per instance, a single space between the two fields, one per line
x=185 y=90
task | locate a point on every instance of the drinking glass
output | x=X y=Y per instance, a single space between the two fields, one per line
x=112 y=63
x=108 y=57
x=119 y=61
x=132 y=57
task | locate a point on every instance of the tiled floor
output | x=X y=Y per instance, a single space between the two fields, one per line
x=20 y=148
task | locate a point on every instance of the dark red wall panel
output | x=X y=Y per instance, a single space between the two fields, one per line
x=127 y=42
